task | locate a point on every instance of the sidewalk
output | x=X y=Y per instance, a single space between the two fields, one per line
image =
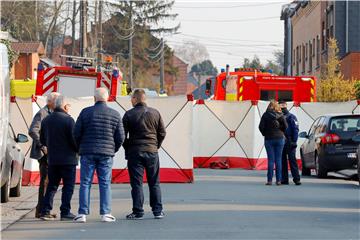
x=18 y=207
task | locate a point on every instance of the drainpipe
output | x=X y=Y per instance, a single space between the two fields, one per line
x=347 y=27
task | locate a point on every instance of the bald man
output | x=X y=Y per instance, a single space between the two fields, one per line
x=144 y=132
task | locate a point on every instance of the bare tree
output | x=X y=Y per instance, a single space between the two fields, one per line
x=192 y=52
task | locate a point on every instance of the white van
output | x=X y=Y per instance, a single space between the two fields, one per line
x=4 y=123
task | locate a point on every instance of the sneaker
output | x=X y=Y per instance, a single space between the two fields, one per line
x=108 y=218
x=47 y=217
x=67 y=217
x=268 y=183
x=80 y=218
x=278 y=183
x=160 y=215
x=297 y=183
x=134 y=216
x=284 y=183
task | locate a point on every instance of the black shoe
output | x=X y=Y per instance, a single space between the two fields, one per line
x=47 y=217
x=297 y=183
x=284 y=183
x=160 y=215
x=67 y=217
x=135 y=216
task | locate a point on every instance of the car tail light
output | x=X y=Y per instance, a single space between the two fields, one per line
x=330 y=138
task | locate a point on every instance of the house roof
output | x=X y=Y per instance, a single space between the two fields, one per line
x=28 y=47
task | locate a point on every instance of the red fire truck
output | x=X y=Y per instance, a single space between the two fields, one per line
x=250 y=84
x=79 y=78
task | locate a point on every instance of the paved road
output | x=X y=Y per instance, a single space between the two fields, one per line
x=229 y=204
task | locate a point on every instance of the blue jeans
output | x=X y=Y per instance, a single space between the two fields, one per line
x=274 y=149
x=103 y=166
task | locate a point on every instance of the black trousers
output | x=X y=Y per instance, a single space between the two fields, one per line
x=137 y=163
x=43 y=169
x=289 y=155
x=67 y=174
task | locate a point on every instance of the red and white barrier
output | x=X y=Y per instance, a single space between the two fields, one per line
x=197 y=133
x=229 y=130
x=176 y=163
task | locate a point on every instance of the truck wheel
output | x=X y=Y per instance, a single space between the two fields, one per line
x=16 y=191
x=320 y=170
x=5 y=191
x=304 y=171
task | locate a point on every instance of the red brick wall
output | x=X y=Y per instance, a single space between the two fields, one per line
x=180 y=85
x=350 y=65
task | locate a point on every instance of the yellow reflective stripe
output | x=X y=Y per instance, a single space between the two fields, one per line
x=231 y=97
x=241 y=89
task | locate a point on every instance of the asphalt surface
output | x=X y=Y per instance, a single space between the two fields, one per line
x=221 y=204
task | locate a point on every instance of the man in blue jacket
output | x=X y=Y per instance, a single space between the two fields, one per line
x=99 y=134
x=289 y=152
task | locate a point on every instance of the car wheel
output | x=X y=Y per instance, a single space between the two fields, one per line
x=5 y=190
x=320 y=170
x=304 y=171
x=16 y=191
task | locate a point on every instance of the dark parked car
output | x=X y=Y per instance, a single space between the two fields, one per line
x=329 y=144
x=357 y=139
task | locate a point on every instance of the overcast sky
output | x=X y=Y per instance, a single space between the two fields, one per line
x=231 y=30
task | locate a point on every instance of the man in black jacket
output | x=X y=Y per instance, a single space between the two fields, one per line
x=145 y=132
x=39 y=151
x=56 y=135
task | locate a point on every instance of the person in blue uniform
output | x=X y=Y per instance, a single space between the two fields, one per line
x=289 y=152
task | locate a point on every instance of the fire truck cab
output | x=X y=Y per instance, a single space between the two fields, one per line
x=78 y=78
x=250 y=84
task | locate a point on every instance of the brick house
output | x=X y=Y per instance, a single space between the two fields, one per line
x=309 y=25
x=29 y=54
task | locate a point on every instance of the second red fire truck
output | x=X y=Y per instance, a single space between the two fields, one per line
x=251 y=84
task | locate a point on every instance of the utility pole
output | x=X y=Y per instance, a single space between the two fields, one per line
x=73 y=22
x=83 y=28
x=99 y=36
x=162 y=67
x=130 y=49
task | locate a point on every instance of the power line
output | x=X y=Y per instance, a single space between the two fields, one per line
x=156 y=48
x=234 y=6
x=230 y=20
x=228 y=39
x=233 y=45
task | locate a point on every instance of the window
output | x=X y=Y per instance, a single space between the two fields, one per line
x=323 y=32
x=310 y=57
x=318 y=51
x=320 y=126
x=267 y=95
x=285 y=96
x=313 y=48
x=313 y=126
x=297 y=60
x=303 y=57
x=345 y=124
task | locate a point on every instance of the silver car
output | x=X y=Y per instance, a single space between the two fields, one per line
x=12 y=167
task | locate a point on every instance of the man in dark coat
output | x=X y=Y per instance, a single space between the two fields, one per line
x=56 y=135
x=99 y=133
x=289 y=152
x=145 y=132
x=39 y=151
